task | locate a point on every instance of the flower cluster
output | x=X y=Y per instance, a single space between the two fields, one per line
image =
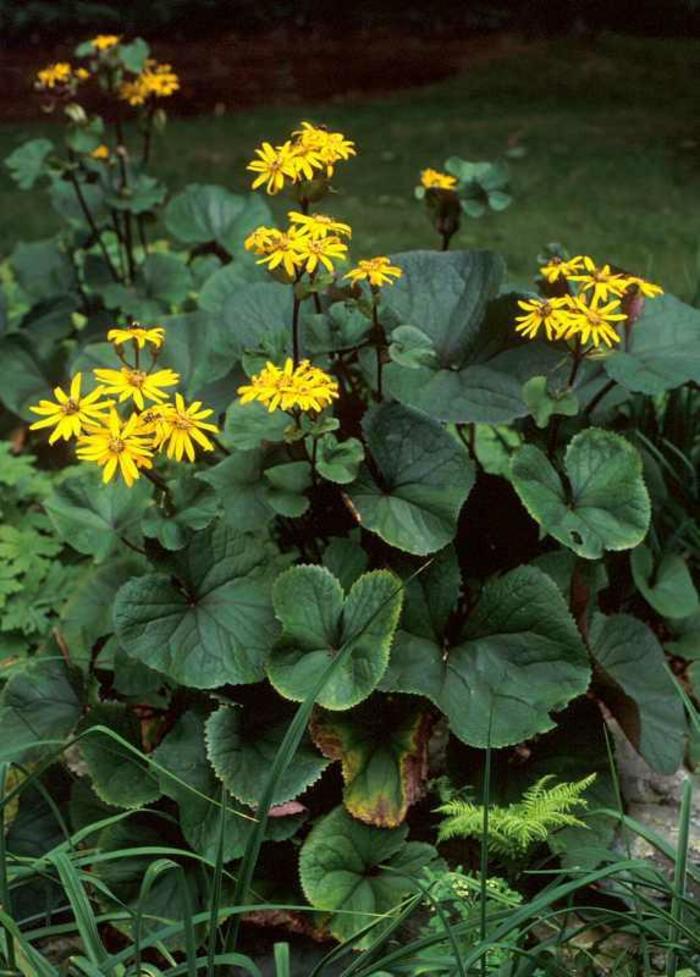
x=155 y=81
x=104 y=42
x=311 y=152
x=60 y=78
x=436 y=180
x=592 y=305
x=304 y=387
x=312 y=241
x=377 y=272
x=127 y=444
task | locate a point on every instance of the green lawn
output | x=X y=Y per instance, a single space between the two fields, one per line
x=612 y=163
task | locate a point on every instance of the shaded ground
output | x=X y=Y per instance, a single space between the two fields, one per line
x=610 y=134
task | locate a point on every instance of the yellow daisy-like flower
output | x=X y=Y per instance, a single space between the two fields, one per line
x=181 y=427
x=136 y=384
x=435 y=180
x=103 y=42
x=318 y=225
x=60 y=75
x=152 y=421
x=155 y=81
x=273 y=166
x=261 y=239
x=315 y=142
x=602 y=281
x=100 y=152
x=594 y=321
x=552 y=313
x=648 y=289
x=116 y=445
x=71 y=411
x=306 y=161
x=306 y=387
x=138 y=335
x=557 y=268
x=281 y=251
x=315 y=251
x=378 y=271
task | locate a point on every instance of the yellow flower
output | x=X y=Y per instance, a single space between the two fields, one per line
x=182 y=426
x=647 y=289
x=378 y=271
x=318 y=225
x=282 y=251
x=435 y=180
x=603 y=281
x=305 y=161
x=137 y=334
x=261 y=239
x=549 y=312
x=593 y=321
x=305 y=386
x=60 y=75
x=274 y=164
x=115 y=444
x=317 y=143
x=100 y=152
x=557 y=268
x=315 y=251
x=103 y=42
x=137 y=384
x=156 y=80
x=71 y=412
x=152 y=421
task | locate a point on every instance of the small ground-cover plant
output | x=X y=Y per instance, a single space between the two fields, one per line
x=396 y=492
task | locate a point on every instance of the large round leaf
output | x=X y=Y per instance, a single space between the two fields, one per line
x=210 y=622
x=242 y=746
x=320 y=624
x=120 y=776
x=606 y=504
x=412 y=496
x=360 y=873
x=201 y=213
x=39 y=707
x=665 y=348
x=632 y=678
x=519 y=658
x=259 y=317
x=668 y=587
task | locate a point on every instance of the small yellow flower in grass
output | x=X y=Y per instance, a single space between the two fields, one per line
x=71 y=411
x=601 y=281
x=103 y=42
x=318 y=225
x=137 y=334
x=306 y=387
x=378 y=271
x=317 y=251
x=182 y=427
x=273 y=166
x=557 y=268
x=435 y=180
x=550 y=312
x=594 y=321
x=100 y=152
x=116 y=445
x=137 y=384
x=279 y=249
x=648 y=289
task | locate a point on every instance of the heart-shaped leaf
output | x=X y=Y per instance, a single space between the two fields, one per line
x=518 y=658
x=39 y=705
x=668 y=587
x=201 y=213
x=382 y=746
x=120 y=776
x=605 y=505
x=319 y=623
x=242 y=745
x=210 y=621
x=632 y=678
x=421 y=476
x=359 y=872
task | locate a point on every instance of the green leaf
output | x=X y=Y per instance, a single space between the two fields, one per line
x=343 y=326
x=42 y=269
x=252 y=494
x=194 y=507
x=338 y=461
x=161 y=282
x=542 y=404
x=287 y=484
x=143 y=194
x=208 y=622
x=225 y=283
x=425 y=478
x=258 y=317
x=606 y=506
x=133 y=55
x=38 y=704
x=346 y=559
x=359 y=872
x=242 y=744
x=199 y=214
x=248 y=425
x=668 y=587
x=383 y=749
x=23 y=381
x=319 y=622
x=119 y=776
x=65 y=202
x=632 y=679
x=28 y=162
x=94 y=518
x=665 y=348
x=411 y=347
x=518 y=658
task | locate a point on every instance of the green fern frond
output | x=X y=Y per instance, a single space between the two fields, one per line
x=515 y=827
